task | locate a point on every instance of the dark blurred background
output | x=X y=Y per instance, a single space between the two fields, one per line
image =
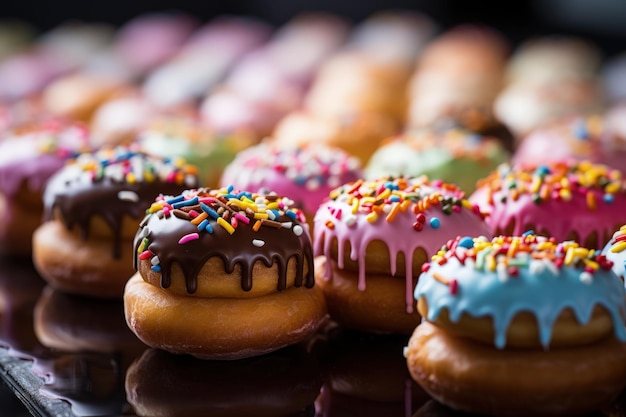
x=600 y=20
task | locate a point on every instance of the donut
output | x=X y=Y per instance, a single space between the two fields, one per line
x=29 y=156
x=92 y=207
x=371 y=239
x=307 y=172
x=242 y=259
x=354 y=81
x=357 y=133
x=184 y=136
x=576 y=137
x=567 y=200
x=458 y=77
x=513 y=323
x=453 y=155
x=161 y=384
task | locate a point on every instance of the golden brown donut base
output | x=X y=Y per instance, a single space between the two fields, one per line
x=380 y=308
x=377 y=259
x=221 y=328
x=20 y=216
x=523 y=331
x=78 y=266
x=474 y=377
x=213 y=281
x=72 y=323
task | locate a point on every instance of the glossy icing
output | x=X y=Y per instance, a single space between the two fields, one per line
x=527 y=273
x=31 y=154
x=577 y=138
x=113 y=183
x=452 y=155
x=306 y=173
x=237 y=226
x=427 y=215
x=200 y=146
x=561 y=197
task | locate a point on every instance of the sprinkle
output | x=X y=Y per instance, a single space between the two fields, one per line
x=145 y=255
x=258 y=243
x=156 y=268
x=256 y=226
x=454 y=287
x=188 y=238
x=225 y=225
x=128 y=196
x=298 y=230
x=199 y=218
x=591 y=201
x=435 y=223
x=155 y=260
x=586 y=278
x=441 y=279
x=143 y=245
x=618 y=247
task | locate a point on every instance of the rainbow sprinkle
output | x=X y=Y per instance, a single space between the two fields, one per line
x=506 y=255
x=384 y=198
x=559 y=181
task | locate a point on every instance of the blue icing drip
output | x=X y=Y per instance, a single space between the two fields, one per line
x=544 y=295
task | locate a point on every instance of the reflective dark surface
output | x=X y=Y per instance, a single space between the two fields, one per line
x=72 y=356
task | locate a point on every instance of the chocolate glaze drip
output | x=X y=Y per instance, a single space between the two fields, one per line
x=281 y=244
x=78 y=199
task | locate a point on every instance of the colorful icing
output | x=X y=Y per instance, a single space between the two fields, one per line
x=200 y=146
x=615 y=251
x=307 y=173
x=239 y=227
x=578 y=138
x=453 y=155
x=398 y=211
x=113 y=183
x=562 y=198
x=31 y=154
x=508 y=275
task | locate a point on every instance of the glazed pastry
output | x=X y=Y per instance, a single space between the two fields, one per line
x=308 y=173
x=357 y=133
x=241 y=259
x=29 y=156
x=541 y=310
x=185 y=137
x=574 y=138
x=458 y=77
x=577 y=201
x=453 y=155
x=371 y=239
x=92 y=208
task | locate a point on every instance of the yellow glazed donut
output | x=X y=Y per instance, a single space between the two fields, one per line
x=223 y=274
x=520 y=326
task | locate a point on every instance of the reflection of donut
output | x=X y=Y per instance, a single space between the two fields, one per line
x=375 y=236
x=93 y=207
x=243 y=260
x=279 y=383
x=512 y=324
x=71 y=323
x=20 y=286
x=365 y=374
x=566 y=200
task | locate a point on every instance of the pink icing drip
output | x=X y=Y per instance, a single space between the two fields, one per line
x=398 y=235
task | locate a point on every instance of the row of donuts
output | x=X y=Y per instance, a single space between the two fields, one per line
x=247 y=258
